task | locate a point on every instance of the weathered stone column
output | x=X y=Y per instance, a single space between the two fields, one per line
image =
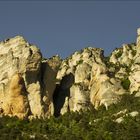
x=138 y=37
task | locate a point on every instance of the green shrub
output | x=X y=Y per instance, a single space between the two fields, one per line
x=125 y=83
x=79 y=62
x=119 y=54
x=86 y=125
x=134 y=52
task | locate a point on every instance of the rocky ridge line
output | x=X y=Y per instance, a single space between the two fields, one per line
x=34 y=87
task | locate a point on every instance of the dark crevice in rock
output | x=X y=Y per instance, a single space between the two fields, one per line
x=43 y=69
x=32 y=76
x=61 y=92
x=57 y=95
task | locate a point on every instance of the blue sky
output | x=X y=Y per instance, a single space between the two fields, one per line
x=62 y=27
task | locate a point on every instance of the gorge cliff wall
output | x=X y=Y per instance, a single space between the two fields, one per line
x=34 y=87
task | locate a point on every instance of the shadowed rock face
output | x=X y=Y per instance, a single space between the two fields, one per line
x=62 y=95
x=34 y=87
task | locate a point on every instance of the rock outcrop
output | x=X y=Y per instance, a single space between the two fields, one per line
x=91 y=83
x=127 y=59
x=17 y=56
x=49 y=71
x=31 y=86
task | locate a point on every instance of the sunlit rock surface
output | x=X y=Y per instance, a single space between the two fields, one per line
x=36 y=87
x=17 y=56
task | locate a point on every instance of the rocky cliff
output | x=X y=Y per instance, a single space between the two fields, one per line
x=32 y=86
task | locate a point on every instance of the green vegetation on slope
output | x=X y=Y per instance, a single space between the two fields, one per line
x=88 y=125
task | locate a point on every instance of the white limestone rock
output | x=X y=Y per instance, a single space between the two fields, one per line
x=54 y=86
x=79 y=98
x=82 y=73
x=79 y=65
x=91 y=82
x=18 y=56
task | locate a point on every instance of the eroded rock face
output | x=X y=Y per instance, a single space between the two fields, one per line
x=15 y=102
x=50 y=68
x=18 y=56
x=79 y=98
x=92 y=83
x=127 y=59
x=32 y=87
x=104 y=88
x=105 y=91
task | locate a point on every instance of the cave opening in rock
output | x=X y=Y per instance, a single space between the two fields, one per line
x=62 y=91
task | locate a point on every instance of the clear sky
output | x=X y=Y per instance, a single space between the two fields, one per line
x=62 y=27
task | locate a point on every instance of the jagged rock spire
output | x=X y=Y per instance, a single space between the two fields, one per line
x=138 y=36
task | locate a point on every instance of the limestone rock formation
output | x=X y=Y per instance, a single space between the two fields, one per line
x=103 y=80
x=32 y=86
x=18 y=56
x=91 y=83
x=128 y=59
x=49 y=71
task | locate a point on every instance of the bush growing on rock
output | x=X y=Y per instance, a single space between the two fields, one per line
x=125 y=83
